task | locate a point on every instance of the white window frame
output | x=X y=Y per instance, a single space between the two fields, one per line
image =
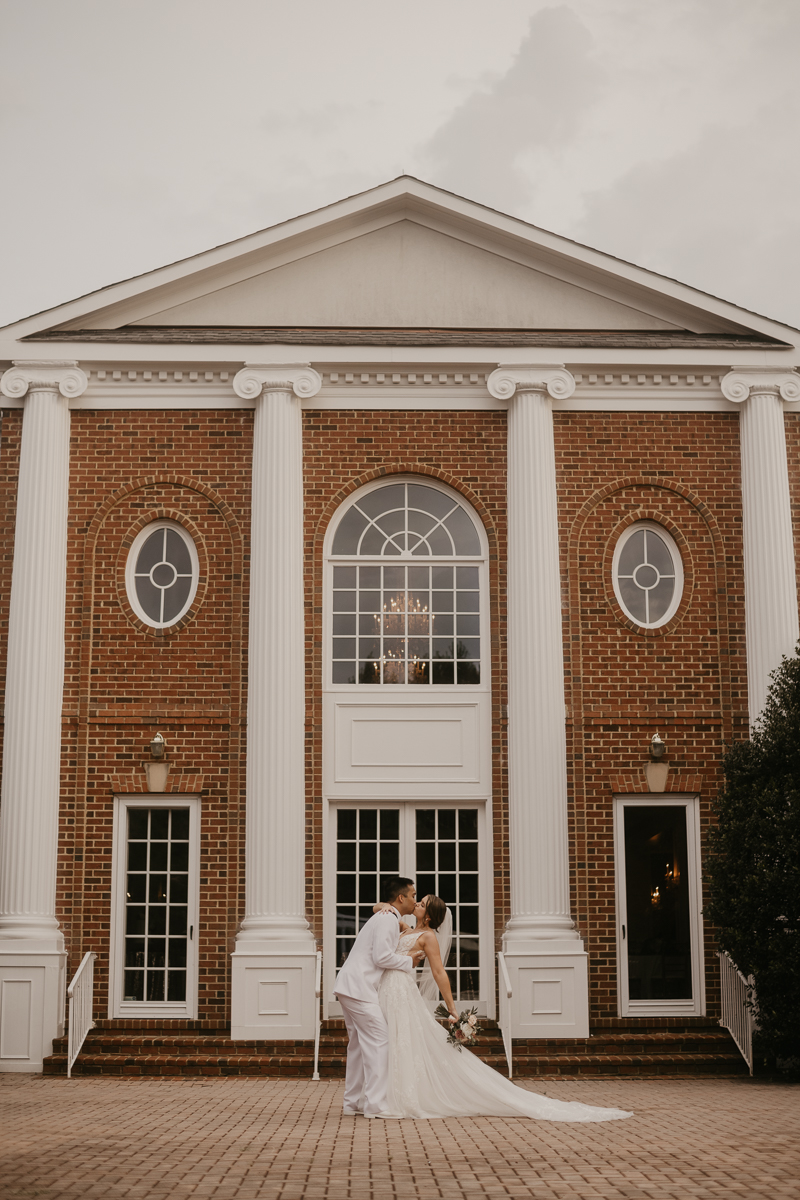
x=696 y=1006
x=130 y=571
x=386 y=690
x=166 y=1009
x=677 y=563
x=486 y=1004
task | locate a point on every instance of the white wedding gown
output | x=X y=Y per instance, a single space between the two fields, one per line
x=430 y=1078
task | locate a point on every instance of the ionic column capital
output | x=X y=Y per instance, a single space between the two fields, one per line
x=43 y=375
x=738 y=386
x=556 y=381
x=256 y=378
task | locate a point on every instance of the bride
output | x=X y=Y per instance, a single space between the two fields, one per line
x=428 y=1077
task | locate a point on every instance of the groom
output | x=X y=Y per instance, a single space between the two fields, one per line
x=373 y=952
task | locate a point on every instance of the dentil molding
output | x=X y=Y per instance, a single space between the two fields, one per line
x=739 y=385
x=256 y=378
x=556 y=381
x=64 y=376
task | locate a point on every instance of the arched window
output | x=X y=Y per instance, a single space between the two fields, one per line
x=161 y=574
x=416 y=618
x=647 y=574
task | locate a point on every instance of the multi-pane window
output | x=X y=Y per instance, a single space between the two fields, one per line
x=156 y=904
x=367 y=854
x=438 y=847
x=447 y=866
x=647 y=574
x=406 y=623
x=162 y=573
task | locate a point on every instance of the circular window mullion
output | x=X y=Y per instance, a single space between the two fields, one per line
x=650 y=588
x=153 y=569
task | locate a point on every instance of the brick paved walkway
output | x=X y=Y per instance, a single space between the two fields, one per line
x=239 y=1139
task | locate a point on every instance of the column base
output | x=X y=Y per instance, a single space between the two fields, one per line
x=550 y=989
x=273 y=993
x=32 y=999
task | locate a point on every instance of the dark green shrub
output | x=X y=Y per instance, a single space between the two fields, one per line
x=753 y=864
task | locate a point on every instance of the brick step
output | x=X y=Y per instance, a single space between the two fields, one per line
x=489 y=1040
x=333 y=1066
x=618 y=1047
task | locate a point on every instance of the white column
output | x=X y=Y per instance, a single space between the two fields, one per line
x=770 y=580
x=32 y=958
x=274 y=961
x=543 y=949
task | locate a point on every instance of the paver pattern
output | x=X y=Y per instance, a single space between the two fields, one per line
x=242 y=1139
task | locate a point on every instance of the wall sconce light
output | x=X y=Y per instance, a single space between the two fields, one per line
x=158 y=747
x=657 y=747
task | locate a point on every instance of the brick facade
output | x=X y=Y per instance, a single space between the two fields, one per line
x=125 y=680
x=687 y=679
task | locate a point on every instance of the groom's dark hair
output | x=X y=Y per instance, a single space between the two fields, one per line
x=393 y=887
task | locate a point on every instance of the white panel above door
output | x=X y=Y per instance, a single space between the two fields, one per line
x=417 y=747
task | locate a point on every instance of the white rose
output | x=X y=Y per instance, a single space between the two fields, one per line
x=472 y=1021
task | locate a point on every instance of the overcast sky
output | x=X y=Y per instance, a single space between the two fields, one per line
x=665 y=132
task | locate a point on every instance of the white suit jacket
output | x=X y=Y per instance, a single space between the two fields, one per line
x=374 y=951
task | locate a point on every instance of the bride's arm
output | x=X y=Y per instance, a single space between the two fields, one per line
x=430 y=943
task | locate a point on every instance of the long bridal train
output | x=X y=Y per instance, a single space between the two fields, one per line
x=430 y=1078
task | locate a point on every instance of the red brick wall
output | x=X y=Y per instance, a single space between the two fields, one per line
x=125 y=680
x=345 y=449
x=686 y=680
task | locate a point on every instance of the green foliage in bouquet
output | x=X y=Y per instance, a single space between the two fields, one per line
x=461 y=1032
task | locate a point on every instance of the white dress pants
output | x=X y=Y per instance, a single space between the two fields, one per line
x=367 y=1073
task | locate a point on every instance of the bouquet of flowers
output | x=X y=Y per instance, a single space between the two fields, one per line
x=461 y=1032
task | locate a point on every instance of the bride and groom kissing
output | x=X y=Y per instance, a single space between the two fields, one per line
x=400 y=1062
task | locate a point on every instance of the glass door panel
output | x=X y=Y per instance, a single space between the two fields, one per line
x=658 y=908
x=437 y=848
x=657 y=902
x=367 y=854
x=156 y=905
x=447 y=866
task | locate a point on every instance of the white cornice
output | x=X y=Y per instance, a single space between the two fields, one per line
x=359 y=385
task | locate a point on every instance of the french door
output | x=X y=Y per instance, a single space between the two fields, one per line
x=155 y=906
x=439 y=846
x=659 y=928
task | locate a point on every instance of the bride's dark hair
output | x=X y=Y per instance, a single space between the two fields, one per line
x=435 y=911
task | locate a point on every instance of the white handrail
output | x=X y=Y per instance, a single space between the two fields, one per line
x=737 y=1015
x=505 y=1008
x=317 y=993
x=81 y=995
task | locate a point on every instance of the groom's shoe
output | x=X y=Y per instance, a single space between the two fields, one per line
x=383 y=1116
x=352 y=1112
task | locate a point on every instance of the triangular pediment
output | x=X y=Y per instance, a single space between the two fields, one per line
x=405 y=257
x=406 y=275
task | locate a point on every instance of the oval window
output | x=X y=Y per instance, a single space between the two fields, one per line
x=647 y=572
x=162 y=574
